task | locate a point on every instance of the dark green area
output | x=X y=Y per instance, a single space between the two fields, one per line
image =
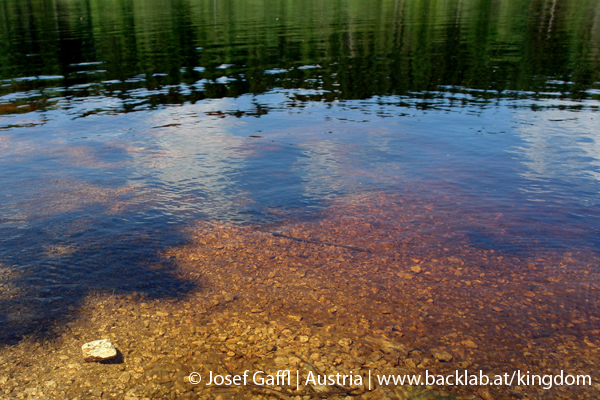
x=509 y=48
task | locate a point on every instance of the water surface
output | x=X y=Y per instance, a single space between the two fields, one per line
x=123 y=122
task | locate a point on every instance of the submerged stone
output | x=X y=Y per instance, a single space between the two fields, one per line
x=442 y=356
x=98 y=350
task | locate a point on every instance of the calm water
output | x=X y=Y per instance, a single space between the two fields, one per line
x=123 y=121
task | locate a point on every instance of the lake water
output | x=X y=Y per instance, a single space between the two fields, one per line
x=124 y=122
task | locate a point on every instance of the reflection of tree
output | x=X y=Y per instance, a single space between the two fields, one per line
x=364 y=49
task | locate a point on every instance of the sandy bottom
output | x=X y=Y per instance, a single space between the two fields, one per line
x=379 y=285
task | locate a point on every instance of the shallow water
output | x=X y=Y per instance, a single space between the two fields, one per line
x=121 y=126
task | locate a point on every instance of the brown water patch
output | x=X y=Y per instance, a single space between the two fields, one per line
x=379 y=283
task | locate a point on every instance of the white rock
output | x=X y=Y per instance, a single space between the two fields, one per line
x=98 y=350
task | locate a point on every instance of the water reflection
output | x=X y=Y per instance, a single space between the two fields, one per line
x=147 y=53
x=232 y=158
x=576 y=136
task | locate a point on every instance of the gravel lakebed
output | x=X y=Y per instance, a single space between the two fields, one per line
x=369 y=289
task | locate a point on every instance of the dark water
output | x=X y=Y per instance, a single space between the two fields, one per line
x=123 y=121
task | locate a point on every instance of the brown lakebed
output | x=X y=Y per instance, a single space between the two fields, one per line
x=379 y=284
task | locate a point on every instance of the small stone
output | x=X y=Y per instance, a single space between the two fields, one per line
x=391 y=347
x=294 y=361
x=320 y=388
x=416 y=269
x=303 y=338
x=98 y=350
x=426 y=363
x=469 y=343
x=288 y=334
x=345 y=342
x=228 y=297
x=485 y=394
x=377 y=394
x=442 y=356
x=281 y=361
x=125 y=377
